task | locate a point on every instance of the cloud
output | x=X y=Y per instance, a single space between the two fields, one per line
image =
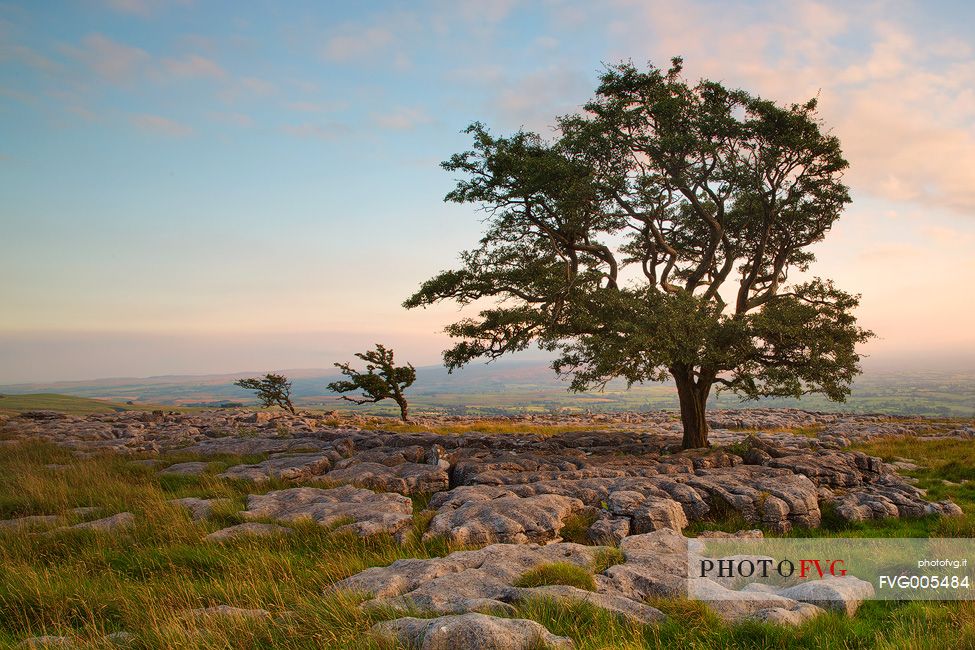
x=161 y=125
x=358 y=44
x=193 y=66
x=143 y=8
x=257 y=86
x=315 y=107
x=325 y=131
x=536 y=99
x=902 y=106
x=111 y=60
x=886 y=252
x=480 y=12
x=233 y=119
x=26 y=56
x=402 y=119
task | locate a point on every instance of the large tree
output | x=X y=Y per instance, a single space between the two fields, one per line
x=655 y=236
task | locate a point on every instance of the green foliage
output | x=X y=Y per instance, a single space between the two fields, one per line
x=611 y=244
x=271 y=389
x=558 y=573
x=607 y=557
x=381 y=380
x=575 y=528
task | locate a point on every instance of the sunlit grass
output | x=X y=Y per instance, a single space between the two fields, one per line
x=86 y=585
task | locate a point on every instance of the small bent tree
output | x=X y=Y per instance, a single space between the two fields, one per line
x=271 y=389
x=655 y=236
x=381 y=380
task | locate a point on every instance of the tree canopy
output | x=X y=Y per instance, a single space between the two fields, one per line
x=271 y=389
x=381 y=380
x=655 y=236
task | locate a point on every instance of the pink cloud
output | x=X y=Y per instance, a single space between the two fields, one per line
x=357 y=44
x=326 y=131
x=161 y=125
x=109 y=59
x=193 y=66
x=28 y=57
x=402 y=119
x=142 y=8
x=233 y=119
x=904 y=111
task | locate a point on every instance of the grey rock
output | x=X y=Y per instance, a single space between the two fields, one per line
x=371 y=513
x=609 y=530
x=245 y=446
x=247 y=530
x=655 y=514
x=119 y=522
x=192 y=468
x=479 y=580
x=289 y=468
x=734 y=606
x=840 y=593
x=470 y=632
x=473 y=518
x=406 y=478
x=30 y=521
x=200 y=508
x=121 y=638
x=631 y=610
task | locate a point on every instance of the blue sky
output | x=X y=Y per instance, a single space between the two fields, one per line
x=217 y=186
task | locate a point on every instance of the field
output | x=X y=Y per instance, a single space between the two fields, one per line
x=18 y=403
x=54 y=402
x=143 y=581
x=530 y=387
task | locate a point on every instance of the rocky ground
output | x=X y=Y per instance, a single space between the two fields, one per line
x=612 y=481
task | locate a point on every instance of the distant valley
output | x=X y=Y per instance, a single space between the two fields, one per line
x=515 y=386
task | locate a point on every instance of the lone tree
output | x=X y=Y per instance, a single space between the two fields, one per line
x=655 y=236
x=381 y=380
x=271 y=389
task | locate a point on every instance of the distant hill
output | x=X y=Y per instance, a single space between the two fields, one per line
x=60 y=403
x=509 y=386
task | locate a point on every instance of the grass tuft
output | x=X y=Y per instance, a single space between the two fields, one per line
x=607 y=557
x=558 y=573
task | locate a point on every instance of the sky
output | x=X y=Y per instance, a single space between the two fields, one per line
x=200 y=187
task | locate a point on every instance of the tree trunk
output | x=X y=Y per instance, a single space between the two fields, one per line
x=693 y=398
x=403 y=409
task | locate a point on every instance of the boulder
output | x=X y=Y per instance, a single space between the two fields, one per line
x=247 y=530
x=370 y=512
x=31 y=521
x=200 y=508
x=289 y=468
x=119 y=522
x=405 y=478
x=192 y=468
x=470 y=632
x=839 y=593
x=470 y=518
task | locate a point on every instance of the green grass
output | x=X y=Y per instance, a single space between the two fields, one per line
x=60 y=403
x=85 y=585
x=606 y=558
x=13 y=404
x=558 y=573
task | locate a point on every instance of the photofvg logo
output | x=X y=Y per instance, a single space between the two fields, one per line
x=739 y=568
x=766 y=567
